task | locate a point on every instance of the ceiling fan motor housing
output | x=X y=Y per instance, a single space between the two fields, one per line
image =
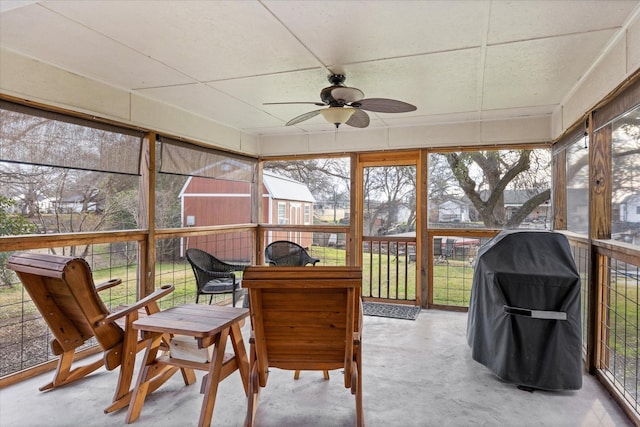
x=336 y=79
x=325 y=94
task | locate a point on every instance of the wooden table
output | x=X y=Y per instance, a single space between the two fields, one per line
x=208 y=325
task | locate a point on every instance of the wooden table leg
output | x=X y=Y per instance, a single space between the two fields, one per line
x=241 y=355
x=213 y=378
x=147 y=372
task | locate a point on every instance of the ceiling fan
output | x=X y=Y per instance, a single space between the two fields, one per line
x=347 y=104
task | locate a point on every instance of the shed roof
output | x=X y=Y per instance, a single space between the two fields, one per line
x=280 y=187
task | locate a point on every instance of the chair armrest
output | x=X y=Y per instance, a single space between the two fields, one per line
x=159 y=293
x=239 y=267
x=219 y=274
x=108 y=284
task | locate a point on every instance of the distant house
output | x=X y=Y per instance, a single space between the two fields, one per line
x=462 y=210
x=578 y=210
x=514 y=199
x=207 y=201
x=453 y=211
x=45 y=204
x=74 y=204
x=630 y=209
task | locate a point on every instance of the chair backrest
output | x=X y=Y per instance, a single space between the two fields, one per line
x=286 y=253
x=206 y=261
x=450 y=247
x=63 y=290
x=437 y=246
x=304 y=318
x=203 y=262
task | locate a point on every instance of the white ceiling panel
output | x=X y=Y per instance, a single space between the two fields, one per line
x=211 y=103
x=298 y=86
x=525 y=20
x=438 y=83
x=6 y=5
x=207 y=40
x=343 y=32
x=454 y=60
x=49 y=37
x=537 y=72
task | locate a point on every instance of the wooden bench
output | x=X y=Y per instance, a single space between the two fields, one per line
x=304 y=319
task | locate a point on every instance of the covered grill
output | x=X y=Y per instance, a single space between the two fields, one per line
x=524 y=314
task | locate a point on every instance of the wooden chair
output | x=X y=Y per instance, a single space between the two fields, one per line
x=304 y=319
x=63 y=290
x=285 y=253
x=214 y=276
x=289 y=254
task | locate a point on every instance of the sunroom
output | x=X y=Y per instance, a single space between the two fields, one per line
x=527 y=116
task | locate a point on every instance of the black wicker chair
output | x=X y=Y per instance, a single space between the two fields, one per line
x=214 y=276
x=288 y=254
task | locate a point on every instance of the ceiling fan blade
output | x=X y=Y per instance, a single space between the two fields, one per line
x=384 y=105
x=319 y=104
x=303 y=117
x=359 y=119
x=346 y=94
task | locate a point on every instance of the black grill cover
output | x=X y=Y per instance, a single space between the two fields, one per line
x=524 y=312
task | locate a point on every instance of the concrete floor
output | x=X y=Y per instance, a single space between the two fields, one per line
x=416 y=373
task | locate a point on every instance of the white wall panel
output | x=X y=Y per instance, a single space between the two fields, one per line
x=435 y=135
x=36 y=81
x=529 y=129
x=620 y=61
x=633 y=46
x=524 y=130
x=557 y=127
x=39 y=82
x=602 y=80
x=165 y=118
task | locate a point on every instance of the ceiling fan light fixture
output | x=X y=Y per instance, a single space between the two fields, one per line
x=337 y=115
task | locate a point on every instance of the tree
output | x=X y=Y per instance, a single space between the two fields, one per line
x=484 y=176
x=11 y=224
x=388 y=189
x=328 y=179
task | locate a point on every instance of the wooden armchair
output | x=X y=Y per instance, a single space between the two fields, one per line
x=62 y=289
x=285 y=253
x=304 y=319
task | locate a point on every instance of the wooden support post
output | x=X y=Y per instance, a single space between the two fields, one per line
x=146 y=216
x=600 y=186
x=559 y=190
x=257 y=215
x=354 y=239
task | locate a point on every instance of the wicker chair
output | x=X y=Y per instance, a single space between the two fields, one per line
x=213 y=276
x=288 y=254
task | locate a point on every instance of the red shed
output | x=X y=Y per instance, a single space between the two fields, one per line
x=207 y=201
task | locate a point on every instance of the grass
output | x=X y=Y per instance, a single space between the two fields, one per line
x=452 y=283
